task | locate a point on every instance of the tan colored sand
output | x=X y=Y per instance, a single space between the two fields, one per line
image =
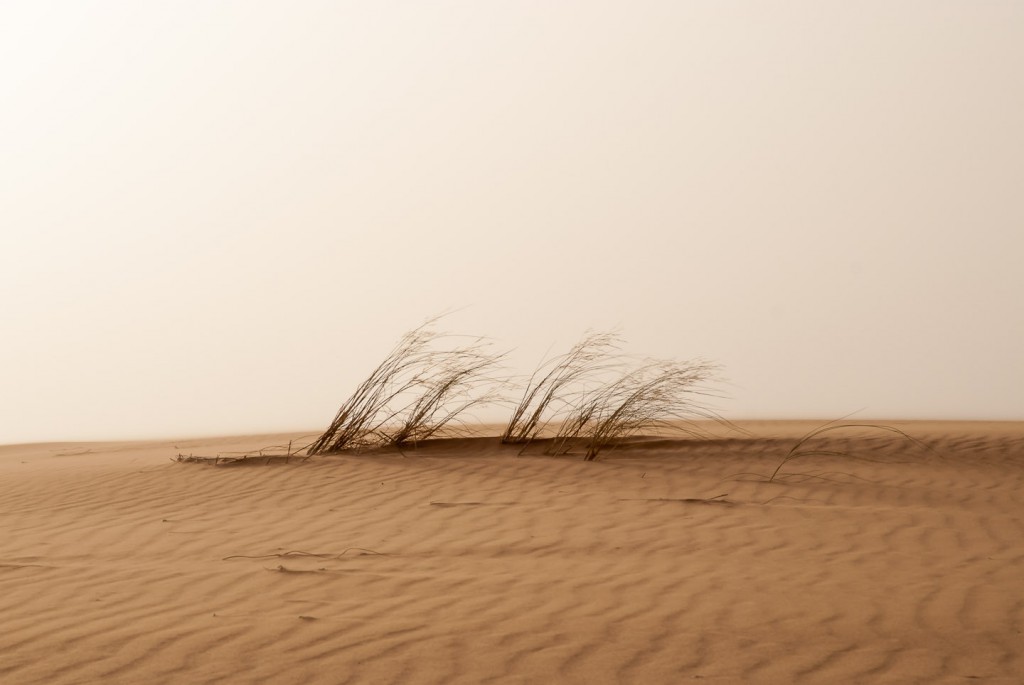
x=463 y=563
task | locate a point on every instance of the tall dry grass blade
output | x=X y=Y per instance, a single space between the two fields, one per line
x=799 y=449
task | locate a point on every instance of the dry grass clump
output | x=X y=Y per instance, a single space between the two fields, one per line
x=600 y=397
x=553 y=386
x=654 y=394
x=430 y=380
x=416 y=391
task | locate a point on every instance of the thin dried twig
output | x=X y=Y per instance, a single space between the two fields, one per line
x=305 y=554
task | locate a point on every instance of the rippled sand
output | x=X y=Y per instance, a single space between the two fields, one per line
x=667 y=561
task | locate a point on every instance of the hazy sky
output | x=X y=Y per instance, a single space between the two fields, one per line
x=215 y=217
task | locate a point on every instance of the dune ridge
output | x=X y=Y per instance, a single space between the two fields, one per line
x=667 y=560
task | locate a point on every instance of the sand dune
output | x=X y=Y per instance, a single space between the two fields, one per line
x=666 y=561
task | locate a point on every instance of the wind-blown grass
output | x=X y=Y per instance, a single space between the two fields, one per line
x=554 y=384
x=426 y=383
x=456 y=381
x=655 y=394
x=416 y=391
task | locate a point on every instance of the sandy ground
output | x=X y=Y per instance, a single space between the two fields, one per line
x=667 y=561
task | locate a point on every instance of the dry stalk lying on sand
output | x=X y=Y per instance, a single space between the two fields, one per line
x=415 y=392
x=265 y=455
x=652 y=395
x=299 y=553
x=555 y=382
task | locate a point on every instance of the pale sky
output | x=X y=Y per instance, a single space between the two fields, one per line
x=216 y=217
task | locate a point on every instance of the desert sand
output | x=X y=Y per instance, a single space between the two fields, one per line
x=665 y=561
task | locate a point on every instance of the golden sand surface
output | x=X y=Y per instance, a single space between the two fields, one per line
x=665 y=561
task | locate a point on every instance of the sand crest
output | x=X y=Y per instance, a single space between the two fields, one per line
x=666 y=561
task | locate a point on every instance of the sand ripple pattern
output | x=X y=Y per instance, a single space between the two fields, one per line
x=465 y=563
